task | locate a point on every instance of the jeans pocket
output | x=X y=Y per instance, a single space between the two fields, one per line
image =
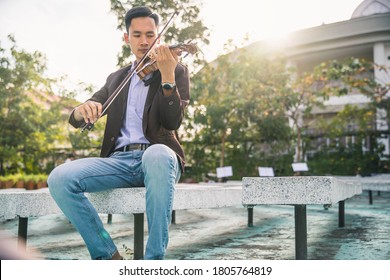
x=135 y=169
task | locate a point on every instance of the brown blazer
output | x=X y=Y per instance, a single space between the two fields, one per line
x=162 y=115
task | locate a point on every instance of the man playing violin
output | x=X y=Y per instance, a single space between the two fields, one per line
x=140 y=147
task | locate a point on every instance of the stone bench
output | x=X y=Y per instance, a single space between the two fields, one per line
x=378 y=183
x=24 y=204
x=300 y=192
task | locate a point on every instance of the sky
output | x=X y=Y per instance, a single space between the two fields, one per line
x=80 y=39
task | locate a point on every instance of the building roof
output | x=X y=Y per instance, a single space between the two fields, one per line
x=372 y=7
x=354 y=37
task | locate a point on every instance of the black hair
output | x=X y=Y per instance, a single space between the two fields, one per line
x=139 y=12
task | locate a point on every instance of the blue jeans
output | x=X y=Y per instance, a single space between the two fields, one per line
x=156 y=168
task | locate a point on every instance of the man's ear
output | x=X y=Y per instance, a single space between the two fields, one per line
x=126 y=37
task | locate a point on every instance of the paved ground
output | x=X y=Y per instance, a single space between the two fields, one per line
x=216 y=234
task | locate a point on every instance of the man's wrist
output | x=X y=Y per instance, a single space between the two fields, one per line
x=77 y=115
x=167 y=85
x=168 y=78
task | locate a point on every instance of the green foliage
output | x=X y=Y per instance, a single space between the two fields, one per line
x=27 y=130
x=241 y=102
x=32 y=118
x=358 y=75
x=234 y=118
x=90 y=142
x=345 y=160
x=342 y=155
x=21 y=181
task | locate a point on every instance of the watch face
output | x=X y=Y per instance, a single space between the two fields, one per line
x=168 y=86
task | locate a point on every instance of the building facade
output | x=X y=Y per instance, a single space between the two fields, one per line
x=365 y=35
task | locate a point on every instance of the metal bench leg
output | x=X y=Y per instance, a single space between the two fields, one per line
x=341 y=213
x=250 y=216
x=173 y=217
x=138 y=236
x=22 y=233
x=109 y=219
x=300 y=232
x=370 y=196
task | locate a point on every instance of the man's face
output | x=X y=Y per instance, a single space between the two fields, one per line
x=142 y=33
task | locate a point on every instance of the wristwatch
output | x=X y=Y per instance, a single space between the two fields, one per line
x=168 y=85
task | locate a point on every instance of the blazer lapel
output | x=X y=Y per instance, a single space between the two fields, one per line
x=154 y=84
x=123 y=95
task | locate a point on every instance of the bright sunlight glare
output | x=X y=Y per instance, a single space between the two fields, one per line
x=270 y=19
x=80 y=39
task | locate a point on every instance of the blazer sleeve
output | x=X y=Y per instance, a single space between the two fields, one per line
x=172 y=107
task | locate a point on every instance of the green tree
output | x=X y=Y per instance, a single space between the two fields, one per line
x=234 y=117
x=366 y=77
x=28 y=130
x=33 y=119
x=345 y=153
x=366 y=124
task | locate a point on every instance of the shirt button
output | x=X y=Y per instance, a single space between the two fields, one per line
x=170 y=103
x=112 y=139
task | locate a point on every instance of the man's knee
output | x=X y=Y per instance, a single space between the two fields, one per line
x=158 y=153
x=53 y=180
x=59 y=179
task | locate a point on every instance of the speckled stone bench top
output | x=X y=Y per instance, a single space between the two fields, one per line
x=372 y=183
x=19 y=202
x=297 y=190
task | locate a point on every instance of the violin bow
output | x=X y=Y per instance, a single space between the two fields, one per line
x=128 y=77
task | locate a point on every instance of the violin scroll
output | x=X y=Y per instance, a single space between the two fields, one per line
x=189 y=48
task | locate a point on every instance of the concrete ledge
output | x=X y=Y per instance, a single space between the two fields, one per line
x=25 y=204
x=297 y=190
x=22 y=203
x=374 y=183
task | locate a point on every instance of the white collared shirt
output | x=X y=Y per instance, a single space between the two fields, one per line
x=131 y=131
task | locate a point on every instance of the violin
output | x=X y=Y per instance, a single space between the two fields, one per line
x=150 y=64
